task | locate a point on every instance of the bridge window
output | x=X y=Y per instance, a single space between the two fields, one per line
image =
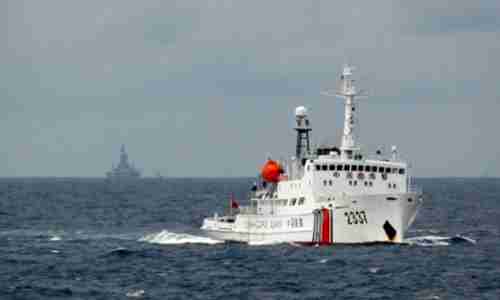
x=381 y=169
x=346 y=168
x=401 y=171
x=318 y=167
x=354 y=168
x=339 y=167
x=324 y=167
x=388 y=170
x=332 y=167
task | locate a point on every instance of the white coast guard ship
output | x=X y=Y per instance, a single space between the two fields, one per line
x=330 y=195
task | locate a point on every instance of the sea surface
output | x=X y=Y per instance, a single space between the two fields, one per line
x=91 y=239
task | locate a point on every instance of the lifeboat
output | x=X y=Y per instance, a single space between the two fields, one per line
x=271 y=171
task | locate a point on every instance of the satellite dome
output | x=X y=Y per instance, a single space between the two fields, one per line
x=300 y=111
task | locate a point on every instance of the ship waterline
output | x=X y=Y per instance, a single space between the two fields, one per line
x=353 y=220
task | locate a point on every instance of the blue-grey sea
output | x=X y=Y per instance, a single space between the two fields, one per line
x=91 y=239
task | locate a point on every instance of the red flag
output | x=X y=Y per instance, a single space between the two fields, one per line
x=233 y=202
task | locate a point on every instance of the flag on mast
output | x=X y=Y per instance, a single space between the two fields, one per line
x=233 y=203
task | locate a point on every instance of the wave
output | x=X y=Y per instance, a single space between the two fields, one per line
x=55 y=238
x=166 y=237
x=59 y=235
x=135 y=294
x=419 y=231
x=120 y=251
x=433 y=240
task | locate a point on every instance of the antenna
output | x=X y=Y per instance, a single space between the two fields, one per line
x=348 y=92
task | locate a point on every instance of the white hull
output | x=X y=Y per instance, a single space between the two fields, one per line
x=360 y=219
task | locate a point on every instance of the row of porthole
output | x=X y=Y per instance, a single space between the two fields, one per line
x=355 y=183
x=373 y=169
x=360 y=176
x=285 y=202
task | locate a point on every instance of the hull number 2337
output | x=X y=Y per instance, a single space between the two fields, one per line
x=356 y=217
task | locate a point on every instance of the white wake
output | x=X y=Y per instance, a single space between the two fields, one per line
x=433 y=240
x=55 y=238
x=166 y=237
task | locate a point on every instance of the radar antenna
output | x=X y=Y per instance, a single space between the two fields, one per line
x=347 y=91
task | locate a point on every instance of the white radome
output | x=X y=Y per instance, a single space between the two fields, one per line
x=300 y=111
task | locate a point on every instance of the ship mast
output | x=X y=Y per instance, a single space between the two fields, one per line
x=348 y=92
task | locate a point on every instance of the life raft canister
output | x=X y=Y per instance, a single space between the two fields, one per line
x=271 y=172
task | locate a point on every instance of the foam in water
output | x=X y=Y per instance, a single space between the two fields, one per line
x=166 y=237
x=433 y=240
x=55 y=238
x=135 y=294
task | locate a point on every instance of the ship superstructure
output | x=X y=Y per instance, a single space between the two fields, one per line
x=124 y=169
x=328 y=194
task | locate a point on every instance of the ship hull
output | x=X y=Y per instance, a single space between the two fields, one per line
x=381 y=218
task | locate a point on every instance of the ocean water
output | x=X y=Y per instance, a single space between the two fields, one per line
x=89 y=239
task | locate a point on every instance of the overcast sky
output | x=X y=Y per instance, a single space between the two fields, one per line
x=208 y=88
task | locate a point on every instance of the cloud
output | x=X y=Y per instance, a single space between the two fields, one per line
x=100 y=73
